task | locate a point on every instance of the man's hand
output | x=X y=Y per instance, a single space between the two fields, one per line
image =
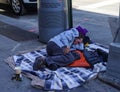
x=66 y=50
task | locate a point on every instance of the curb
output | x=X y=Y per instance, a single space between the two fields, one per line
x=110 y=80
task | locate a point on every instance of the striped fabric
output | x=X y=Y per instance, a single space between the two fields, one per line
x=64 y=77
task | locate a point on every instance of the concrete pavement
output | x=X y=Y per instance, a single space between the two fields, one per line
x=99 y=31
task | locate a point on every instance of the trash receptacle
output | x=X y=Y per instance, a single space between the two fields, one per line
x=52 y=18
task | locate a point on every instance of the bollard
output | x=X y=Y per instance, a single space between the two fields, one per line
x=53 y=18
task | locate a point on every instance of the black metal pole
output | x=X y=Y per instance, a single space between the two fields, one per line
x=118 y=30
x=119 y=21
x=70 y=17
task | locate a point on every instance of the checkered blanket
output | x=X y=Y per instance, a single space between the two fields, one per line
x=62 y=78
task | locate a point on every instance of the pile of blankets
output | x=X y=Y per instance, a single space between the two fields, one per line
x=63 y=78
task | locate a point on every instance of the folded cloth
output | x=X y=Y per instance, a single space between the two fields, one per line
x=92 y=57
x=82 y=62
x=61 y=79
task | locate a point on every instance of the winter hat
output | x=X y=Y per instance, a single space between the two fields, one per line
x=81 y=30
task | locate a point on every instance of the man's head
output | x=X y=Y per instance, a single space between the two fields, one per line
x=78 y=40
x=81 y=31
x=82 y=34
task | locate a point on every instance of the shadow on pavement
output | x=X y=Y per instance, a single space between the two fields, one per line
x=15 y=33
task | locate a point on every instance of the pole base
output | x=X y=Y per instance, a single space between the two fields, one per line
x=112 y=74
x=108 y=79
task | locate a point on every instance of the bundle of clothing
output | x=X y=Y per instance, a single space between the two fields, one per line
x=93 y=60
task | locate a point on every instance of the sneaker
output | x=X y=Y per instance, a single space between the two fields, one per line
x=39 y=63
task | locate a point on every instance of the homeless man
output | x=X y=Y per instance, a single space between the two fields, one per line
x=60 y=49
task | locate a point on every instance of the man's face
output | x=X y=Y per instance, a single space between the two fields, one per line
x=78 y=41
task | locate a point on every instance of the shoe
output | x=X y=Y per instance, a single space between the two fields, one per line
x=39 y=63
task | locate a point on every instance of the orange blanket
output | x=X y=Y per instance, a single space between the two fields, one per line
x=82 y=62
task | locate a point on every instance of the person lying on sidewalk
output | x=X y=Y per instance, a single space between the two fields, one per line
x=60 y=49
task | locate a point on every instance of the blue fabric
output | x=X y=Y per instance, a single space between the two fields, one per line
x=53 y=49
x=61 y=79
x=65 y=38
x=56 y=57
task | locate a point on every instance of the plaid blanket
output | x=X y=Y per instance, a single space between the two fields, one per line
x=64 y=77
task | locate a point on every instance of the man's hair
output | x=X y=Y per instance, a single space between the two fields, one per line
x=80 y=35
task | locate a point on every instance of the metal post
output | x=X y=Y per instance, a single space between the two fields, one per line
x=70 y=17
x=54 y=17
x=117 y=37
x=112 y=75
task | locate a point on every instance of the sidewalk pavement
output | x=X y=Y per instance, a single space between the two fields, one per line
x=99 y=31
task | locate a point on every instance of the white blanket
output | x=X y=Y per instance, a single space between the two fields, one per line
x=64 y=77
